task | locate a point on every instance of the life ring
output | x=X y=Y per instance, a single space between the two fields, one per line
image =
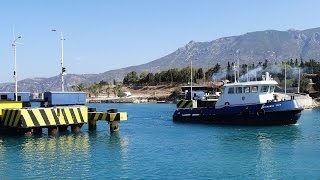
x=227 y=104
x=261 y=112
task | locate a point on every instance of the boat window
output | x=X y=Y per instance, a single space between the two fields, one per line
x=264 y=88
x=272 y=89
x=231 y=90
x=239 y=90
x=254 y=89
x=246 y=89
x=4 y=97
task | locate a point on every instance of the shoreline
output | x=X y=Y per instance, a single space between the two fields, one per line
x=303 y=100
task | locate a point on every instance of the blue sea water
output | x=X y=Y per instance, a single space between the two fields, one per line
x=151 y=146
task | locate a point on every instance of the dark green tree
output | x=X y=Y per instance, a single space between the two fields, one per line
x=200 y=73
x=265 y=64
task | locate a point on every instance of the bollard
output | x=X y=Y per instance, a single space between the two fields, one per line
x=114 y=126
x=75 y=128
x=53 y=130
x=92 y=124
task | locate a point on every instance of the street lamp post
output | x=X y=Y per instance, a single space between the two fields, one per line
x=14 y=45
x=285 y=79
x=191 y=95
x=299 y=80
x=63 y=69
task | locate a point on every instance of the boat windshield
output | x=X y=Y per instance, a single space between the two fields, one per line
x=254 y=89
x=264 y=89
x=272 y=89
x=247 y=89
x=231 y=90
x=239 y=90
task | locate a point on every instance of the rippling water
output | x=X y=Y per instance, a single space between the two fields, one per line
x=151 y=146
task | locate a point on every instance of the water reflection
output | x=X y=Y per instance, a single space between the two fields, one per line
x=121 y=143
x=66 y=155
x=110 y=150
x=268 y=155
x=259 y=148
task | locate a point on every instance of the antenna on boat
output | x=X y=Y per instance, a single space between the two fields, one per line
x=235 y=73
x=298 y=80
x=247 y=73
x=238 y=70
x=14 y=46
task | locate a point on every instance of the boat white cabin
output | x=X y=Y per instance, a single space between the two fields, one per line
x=247 y=93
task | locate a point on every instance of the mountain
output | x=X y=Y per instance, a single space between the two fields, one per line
x=248 y=48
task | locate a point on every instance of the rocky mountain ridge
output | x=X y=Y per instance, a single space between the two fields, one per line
x=248 y=48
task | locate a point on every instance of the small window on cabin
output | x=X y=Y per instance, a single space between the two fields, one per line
x=254 y=89
x=231 y=90
x=272 y=89
x=239 y=90
x=264 y=88
x=247 y=89
x=4 y=97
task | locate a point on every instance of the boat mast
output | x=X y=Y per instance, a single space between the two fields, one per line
x=235 y=73
x=238 y=52
x=247 y=73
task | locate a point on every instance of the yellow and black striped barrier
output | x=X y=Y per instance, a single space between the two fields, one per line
x=9 y=104
x=31 y=120
x=106 y=116
x=113 y=119
x=184 y=104
x=44 y=117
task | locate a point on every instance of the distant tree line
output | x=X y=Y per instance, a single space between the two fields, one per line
x=180 y=76
x=169 y=76
x=101 y=87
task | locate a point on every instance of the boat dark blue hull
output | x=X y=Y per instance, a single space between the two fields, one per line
x=272 y=113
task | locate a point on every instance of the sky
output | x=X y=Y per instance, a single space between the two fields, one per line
x=102 y=35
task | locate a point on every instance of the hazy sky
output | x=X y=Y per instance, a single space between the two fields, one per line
x=103 y=35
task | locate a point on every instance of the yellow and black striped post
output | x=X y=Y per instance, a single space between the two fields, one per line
x=113 y=117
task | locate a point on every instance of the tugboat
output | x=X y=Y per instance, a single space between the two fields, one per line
x=242 y=103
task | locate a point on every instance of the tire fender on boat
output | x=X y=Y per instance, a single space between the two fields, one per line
x=227 y=104
x=261 y=112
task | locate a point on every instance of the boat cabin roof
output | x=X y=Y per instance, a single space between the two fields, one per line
x=251 y=83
